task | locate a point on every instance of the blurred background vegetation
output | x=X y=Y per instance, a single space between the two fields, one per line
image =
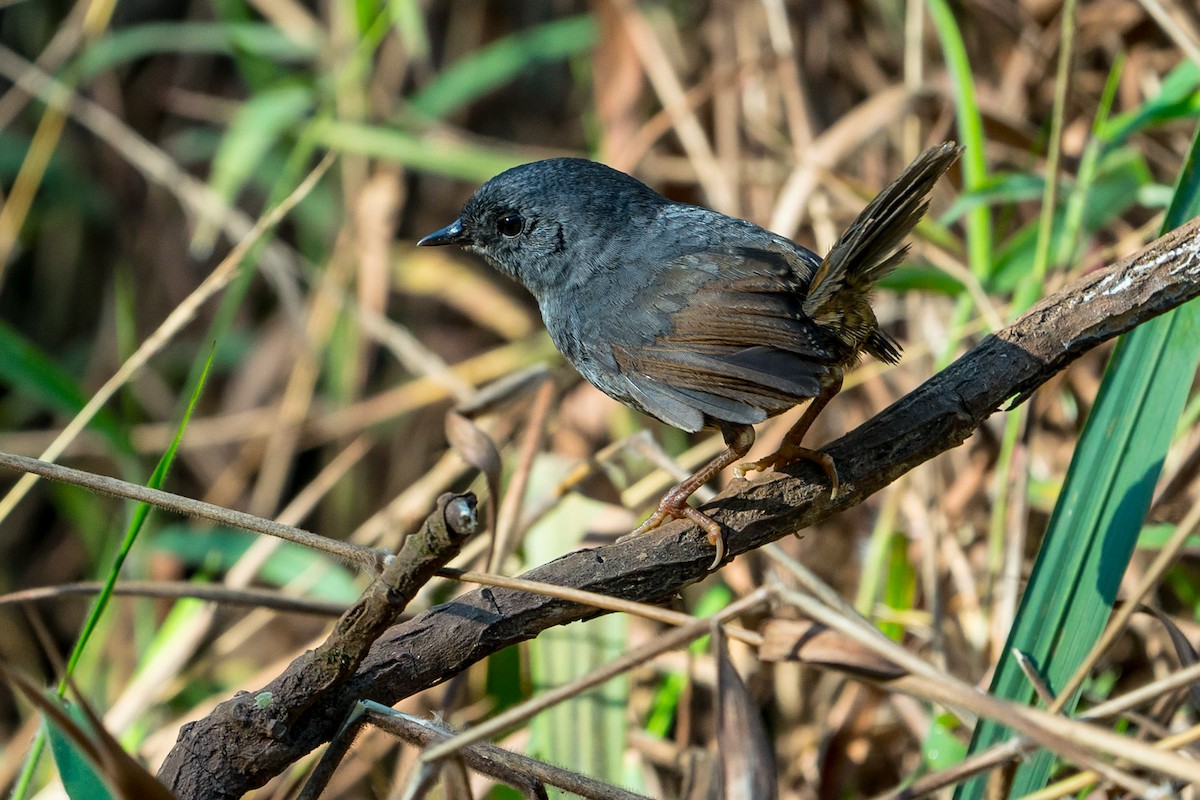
x=140 y=139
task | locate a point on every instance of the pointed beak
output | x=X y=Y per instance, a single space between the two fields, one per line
x=451 y=234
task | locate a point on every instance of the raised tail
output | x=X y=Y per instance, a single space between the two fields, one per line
x=869 y=249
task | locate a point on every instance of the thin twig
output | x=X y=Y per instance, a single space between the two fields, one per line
x=1012 y=748
x=178 y=590
x=362 y=557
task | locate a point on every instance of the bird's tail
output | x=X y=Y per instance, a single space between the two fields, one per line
x=870 y=248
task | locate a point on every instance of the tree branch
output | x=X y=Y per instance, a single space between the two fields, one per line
x=938 y=415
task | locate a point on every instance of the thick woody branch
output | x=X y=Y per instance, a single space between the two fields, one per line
x=1005 y=367
x=239 y=726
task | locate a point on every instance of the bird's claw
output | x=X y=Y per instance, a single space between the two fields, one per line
x=667 y=511
x=762 y=465
x=782 y=458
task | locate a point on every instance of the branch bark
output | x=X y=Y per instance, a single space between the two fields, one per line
x=938 y=415
x=245 y=721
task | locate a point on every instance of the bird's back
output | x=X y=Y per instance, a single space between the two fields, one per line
x=701 y=322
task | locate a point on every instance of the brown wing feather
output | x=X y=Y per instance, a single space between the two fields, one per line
x=737 y=347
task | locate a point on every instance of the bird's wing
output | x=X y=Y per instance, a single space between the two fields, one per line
x=725 y=338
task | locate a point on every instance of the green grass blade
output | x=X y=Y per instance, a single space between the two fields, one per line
x=1100 y=512
x=485 y=69
x=974 y=164
x=942 y=748
x=407 y=19
x=218 y=549
x=257 y=126
x=900 y=588
x=176 y=38
x=970 y=132
x=1077 y=200
x=454 y=159
x=1000 y=189
x=80 y=777
x=1031 y=287
x=27 y=371
x=141 y=511
x=1178 y=98
x=1028 y=290
x=1119 y=178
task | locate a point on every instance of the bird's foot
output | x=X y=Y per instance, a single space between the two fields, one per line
x=675 y=508
x=789 y=455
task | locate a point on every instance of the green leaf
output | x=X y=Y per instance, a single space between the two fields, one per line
x=900 y=586
x=175 y=38
x=942 y=749
x=218 y=549
x=1120 y=176
x=259 y=69
x=1178 y=98
x=1155 y=535
x=996 y=190
x=921 y=278
x=259 y=124
x=455 y=159
x=30 y=372
x=80 y=777
x=974 y=165
x=490 y=67
x=409 y=23
x=970 y=132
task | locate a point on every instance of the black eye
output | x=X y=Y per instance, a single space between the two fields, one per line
x=510 y=225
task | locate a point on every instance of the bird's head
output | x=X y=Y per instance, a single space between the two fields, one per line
x=546 y=222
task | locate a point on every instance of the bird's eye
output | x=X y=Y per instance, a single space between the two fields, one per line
x=510 y=225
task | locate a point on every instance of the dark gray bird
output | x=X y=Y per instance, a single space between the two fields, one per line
x=693 y=317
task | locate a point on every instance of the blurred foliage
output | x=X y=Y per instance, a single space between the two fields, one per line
x=338 y=347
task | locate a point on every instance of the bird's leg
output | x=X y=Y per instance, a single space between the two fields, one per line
x=791 y=451
x=738 y=440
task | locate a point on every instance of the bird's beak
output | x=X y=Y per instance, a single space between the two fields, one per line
x=451 y=234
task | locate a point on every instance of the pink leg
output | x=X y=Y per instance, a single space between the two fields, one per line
x=738 y=440
x=791 y=451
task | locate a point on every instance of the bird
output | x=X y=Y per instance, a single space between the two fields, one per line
x=698 y=319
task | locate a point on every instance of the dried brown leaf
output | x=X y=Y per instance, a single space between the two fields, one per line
x=478 y=450
x=811 y=643
x=747 y=756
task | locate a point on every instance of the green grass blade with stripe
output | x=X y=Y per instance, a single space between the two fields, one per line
x=1100 y=512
